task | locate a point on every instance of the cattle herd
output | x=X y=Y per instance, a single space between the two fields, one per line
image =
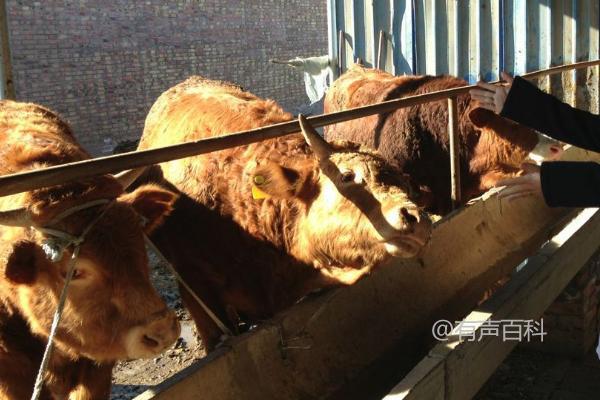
x=251 y=229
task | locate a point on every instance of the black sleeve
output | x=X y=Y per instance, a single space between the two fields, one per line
x=528 y=105
x=571 y=184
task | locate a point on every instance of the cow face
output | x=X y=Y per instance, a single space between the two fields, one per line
x=358 y=210
x=112 y=310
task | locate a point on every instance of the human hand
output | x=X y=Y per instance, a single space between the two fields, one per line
x=525 y=185
x=492 y=97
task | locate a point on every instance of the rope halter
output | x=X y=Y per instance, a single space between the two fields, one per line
x=54 y=246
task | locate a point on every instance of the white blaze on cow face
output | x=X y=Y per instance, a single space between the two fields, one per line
x=547 y=149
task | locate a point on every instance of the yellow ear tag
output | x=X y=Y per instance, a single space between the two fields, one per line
x=258 y=194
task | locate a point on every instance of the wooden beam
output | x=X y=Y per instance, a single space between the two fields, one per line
x=380 y=51
x=7 y=90
x=341 y=48
x=24 y=181
x=468 y=364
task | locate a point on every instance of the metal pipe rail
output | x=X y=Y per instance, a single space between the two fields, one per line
x=25 y=181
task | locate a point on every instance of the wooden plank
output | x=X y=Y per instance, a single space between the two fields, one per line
x=468 y=365
x=471 y=363
x=21 y=182
x=381 y=51
x=425 y=381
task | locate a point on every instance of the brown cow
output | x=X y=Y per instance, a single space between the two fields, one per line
x=112 y=312
x=415 y=139
x=262 y=225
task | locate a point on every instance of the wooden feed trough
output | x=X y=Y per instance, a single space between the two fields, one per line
x=355 y=341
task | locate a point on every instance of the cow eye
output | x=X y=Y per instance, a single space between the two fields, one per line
x=348 y=177
x=77 y=274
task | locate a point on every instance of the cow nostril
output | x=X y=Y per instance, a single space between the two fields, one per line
x=555 y=150
x=150 y=342
x=411 y=218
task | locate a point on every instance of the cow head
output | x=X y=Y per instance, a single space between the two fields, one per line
x=112 y=311
x=357 y=211
x=528 y=145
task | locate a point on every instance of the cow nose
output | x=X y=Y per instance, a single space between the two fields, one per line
x=402 y=218
x=156 y=335
x=411 y=216
x=555 y=151
x=160 y=333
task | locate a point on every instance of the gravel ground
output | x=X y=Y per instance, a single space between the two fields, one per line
x=531 y=375
x=131 y=378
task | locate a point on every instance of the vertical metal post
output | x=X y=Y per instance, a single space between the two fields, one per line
x=332 y=35
x=380 y=64
x=455 y=194
x=341 y=47
x=7 y=90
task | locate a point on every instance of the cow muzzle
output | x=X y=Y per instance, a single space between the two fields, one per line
x=154 y=336
x=546 y=149
x=410 y=230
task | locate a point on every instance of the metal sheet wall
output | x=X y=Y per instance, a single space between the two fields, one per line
x=467 y=38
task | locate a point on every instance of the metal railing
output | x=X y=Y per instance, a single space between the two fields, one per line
x=30 y=180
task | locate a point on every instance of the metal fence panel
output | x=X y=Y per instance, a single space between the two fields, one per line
x=472 y=38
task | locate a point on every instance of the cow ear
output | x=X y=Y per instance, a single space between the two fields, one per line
x=481 y=117
x=274 y=180
x=152 y=203
x=22 y=263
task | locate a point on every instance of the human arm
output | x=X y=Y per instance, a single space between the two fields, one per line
x=524 y=103
x=561 y=183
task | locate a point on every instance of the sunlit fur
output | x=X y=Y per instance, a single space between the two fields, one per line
x=111 y=294
x=253 y=257
x=416 y=138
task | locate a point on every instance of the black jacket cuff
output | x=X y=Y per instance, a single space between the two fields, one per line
x=520 y=95
x=571 y=184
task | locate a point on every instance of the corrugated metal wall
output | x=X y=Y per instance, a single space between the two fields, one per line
x=470 y=37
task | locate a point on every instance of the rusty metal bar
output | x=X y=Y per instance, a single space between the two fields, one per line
x=341 y=47
x=560 y=68
x=380 y=54
x=24 y=181
x=455 y=193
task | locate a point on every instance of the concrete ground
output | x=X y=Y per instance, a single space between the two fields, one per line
x=531 y=375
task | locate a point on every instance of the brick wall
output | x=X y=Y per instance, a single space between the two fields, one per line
x=101 y=64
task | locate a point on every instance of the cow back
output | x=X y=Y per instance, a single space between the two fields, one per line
x=33 y=136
